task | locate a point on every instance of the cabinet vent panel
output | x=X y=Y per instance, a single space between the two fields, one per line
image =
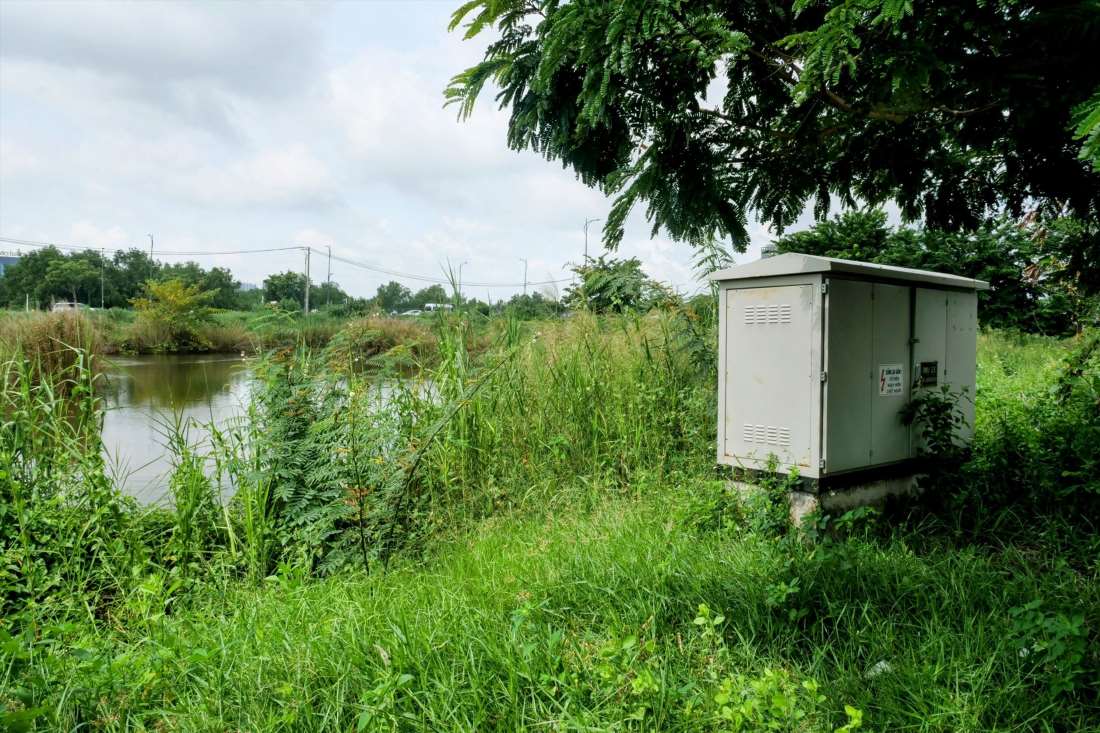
x=763 y=315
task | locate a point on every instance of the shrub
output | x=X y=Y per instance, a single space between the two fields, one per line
x=174 y=314
x=1036 y=446
x=358 y=345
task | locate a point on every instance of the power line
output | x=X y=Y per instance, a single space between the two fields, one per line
x=162 y=252
x=437 y=280
x=300 y=247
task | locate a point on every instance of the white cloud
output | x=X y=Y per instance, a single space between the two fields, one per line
x=86 y=232
x=291 y=176
x=397 y=129
x=188 y=59
x=244 y=126
x=17 y=159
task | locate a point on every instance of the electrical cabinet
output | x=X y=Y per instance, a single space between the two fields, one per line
x=818 y=358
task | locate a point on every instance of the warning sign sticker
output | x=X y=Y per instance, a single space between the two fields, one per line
x=891 y=380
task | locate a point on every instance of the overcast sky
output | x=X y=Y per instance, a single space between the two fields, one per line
x=219 y=126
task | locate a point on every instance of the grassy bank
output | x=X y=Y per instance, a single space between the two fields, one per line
x=593 y=621
x=117 y=331
x=531 y=535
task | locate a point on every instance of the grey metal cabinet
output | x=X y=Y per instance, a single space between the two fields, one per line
x=818 y=357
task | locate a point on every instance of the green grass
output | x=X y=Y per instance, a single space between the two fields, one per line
x=547 y=547
x=585 y=621
x=118 y=330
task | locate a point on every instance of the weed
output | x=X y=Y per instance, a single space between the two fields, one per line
x=528 y=533
x=1052 y=644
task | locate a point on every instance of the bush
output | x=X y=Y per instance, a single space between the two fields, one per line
x=1035 y=454
x=171 y=315
x=358 y=345
x=1043 y=278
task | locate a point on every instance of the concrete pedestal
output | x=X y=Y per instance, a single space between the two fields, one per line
x=837 y=501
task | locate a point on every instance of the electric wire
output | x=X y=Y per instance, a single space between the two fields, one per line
x=84 y=248
x=298 y=248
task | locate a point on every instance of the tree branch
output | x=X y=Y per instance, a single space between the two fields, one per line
x=782 y=135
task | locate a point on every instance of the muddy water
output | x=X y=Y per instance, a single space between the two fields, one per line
x=146 y=394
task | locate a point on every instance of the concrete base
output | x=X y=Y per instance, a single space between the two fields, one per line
x=837 y=501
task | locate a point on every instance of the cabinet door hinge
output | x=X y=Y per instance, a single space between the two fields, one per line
x=825 y=286
x=824 y=376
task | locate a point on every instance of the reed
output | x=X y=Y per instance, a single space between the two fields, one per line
x=528 y=532
x=51 y=343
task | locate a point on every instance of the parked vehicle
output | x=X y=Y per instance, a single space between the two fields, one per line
x=63 y=306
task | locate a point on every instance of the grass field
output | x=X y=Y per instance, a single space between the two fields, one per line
x=558 y=553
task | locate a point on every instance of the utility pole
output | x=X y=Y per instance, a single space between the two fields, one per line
x=307 y=282
x=586 y=223
x=102 y=266
x=150 y=245
x=328 y=280
x=524 y=275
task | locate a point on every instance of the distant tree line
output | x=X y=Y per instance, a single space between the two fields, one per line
x=48 y=275
x=1044 y=276
x=393 y=297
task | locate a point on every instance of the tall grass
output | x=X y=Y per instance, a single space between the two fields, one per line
x=527 y=534
x=622 y=619
x=369 y=344
x=118 y=331
x=65 y=530
x=582 y=398
x=49 y=343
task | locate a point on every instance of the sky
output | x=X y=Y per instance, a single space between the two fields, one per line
x=238 y=126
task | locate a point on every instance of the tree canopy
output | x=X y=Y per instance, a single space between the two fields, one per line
x=611 y=284
x=1036 y=283
x=392 y=296
x=288 y=287
x=956 y=111
x=47 y=274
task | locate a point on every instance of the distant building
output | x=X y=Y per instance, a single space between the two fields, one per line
x=7 y=260
x=438 y=306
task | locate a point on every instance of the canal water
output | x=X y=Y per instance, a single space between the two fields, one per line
x=146 y=394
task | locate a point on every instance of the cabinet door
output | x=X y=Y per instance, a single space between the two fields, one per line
x=769 y=377
x=848 y=389
x=891 y=387
x=929 y=348
x=961 y=353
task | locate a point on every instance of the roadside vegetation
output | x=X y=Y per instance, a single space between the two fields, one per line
x=529 y=531
x=506 y=516
x=502 y=518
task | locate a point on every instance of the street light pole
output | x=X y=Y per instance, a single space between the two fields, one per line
x=586 y=223
x=307 y=282
x=328 y=280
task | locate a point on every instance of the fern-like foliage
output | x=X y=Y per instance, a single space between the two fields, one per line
x=952 y=110
x=1086 y=120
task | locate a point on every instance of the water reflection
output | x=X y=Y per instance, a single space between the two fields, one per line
x=145 y=394
x=167 y=382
